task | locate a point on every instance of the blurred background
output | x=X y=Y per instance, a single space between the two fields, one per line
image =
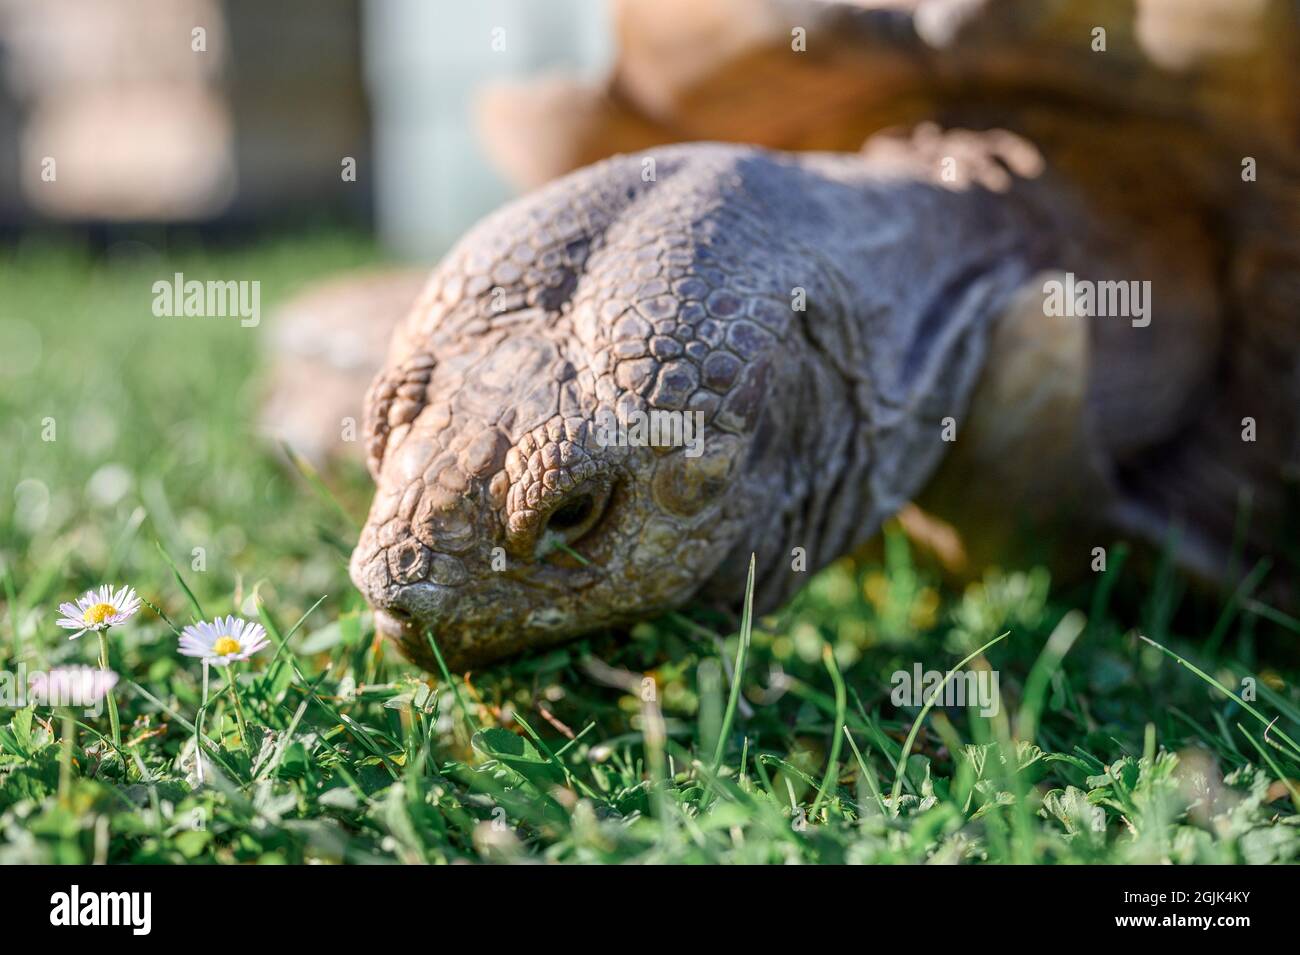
x=239 y=113
x=410 y=119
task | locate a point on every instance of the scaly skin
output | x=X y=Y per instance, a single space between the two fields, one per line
x=605 y=292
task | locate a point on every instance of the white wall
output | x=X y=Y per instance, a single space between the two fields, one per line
x=424 y=61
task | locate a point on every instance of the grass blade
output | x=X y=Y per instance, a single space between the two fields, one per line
x=738 y=674
x=1295 y=748
x=832 y=768
x=194 y=601
x=916 y=724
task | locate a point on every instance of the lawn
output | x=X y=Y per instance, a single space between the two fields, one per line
x=130 y=453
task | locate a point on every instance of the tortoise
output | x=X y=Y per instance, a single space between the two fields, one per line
x=1050 y=299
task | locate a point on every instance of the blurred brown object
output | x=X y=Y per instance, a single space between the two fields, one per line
x=326 y=345
x=689 y=71
x=813 y=74
x=541 y=129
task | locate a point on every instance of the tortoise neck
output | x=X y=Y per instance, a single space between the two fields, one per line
x=905 y=290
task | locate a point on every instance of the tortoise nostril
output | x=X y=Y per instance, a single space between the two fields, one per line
x=572 y=514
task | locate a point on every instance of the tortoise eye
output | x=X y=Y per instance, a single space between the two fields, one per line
x=575 y=517
x=572 y=514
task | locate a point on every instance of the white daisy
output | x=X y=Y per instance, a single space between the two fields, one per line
x=71 y=686
x=223 y=641
x=98 y=610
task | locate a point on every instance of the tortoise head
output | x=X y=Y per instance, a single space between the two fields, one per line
x=577 y=414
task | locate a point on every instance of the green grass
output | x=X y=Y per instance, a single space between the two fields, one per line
x=642 y=749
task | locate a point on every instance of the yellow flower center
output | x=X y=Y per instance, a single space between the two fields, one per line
x=99 y=613
x=225 y=646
